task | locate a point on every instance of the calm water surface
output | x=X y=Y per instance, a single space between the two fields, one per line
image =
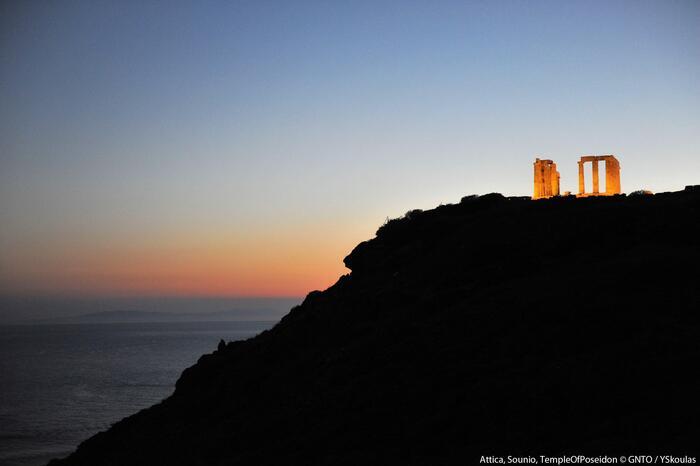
x=60 y=384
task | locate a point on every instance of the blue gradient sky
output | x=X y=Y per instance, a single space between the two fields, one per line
x=242 y=148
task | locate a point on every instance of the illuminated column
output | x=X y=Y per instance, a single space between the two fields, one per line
x=581 y=182
x=554 y=180
x=609 y=183
x=612 y=176
x=596 y=181
x=546 y=179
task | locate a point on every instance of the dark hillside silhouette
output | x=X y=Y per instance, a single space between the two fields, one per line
x=497 y=326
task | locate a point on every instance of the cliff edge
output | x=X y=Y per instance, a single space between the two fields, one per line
x=496 y=326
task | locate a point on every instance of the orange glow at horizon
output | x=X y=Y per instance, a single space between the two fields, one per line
x=188 y=263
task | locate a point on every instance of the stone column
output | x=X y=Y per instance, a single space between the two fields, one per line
x=554 y=180
x=596 y=180
x=539 y=172
x=537 y=192
x=612 y=176
x=581 y=182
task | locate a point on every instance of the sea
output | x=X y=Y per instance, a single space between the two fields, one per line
x=62 y=383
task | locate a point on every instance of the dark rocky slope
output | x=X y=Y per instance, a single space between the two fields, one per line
x=496 y=326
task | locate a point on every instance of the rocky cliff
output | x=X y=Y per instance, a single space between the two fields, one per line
x=496 y=326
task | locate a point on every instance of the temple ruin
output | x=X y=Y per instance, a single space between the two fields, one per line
x=612 y=175
x=546 y=179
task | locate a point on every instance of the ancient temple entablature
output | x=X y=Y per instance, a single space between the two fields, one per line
x=546 y=179
x=612 y=175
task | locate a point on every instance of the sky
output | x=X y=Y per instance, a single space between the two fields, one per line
x=243 y=148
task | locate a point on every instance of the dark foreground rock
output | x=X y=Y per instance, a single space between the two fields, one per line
x=498 y=326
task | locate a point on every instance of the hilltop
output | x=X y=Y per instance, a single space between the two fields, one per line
x=496 y=326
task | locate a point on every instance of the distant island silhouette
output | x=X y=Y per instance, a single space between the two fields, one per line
x=137 y=316
x=496 y=326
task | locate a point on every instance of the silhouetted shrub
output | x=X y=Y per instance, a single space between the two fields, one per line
x=411 y=214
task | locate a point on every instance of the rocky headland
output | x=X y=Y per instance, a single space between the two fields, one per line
x=496 y=326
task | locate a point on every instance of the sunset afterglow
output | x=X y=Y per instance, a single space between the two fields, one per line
x=244 y=148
